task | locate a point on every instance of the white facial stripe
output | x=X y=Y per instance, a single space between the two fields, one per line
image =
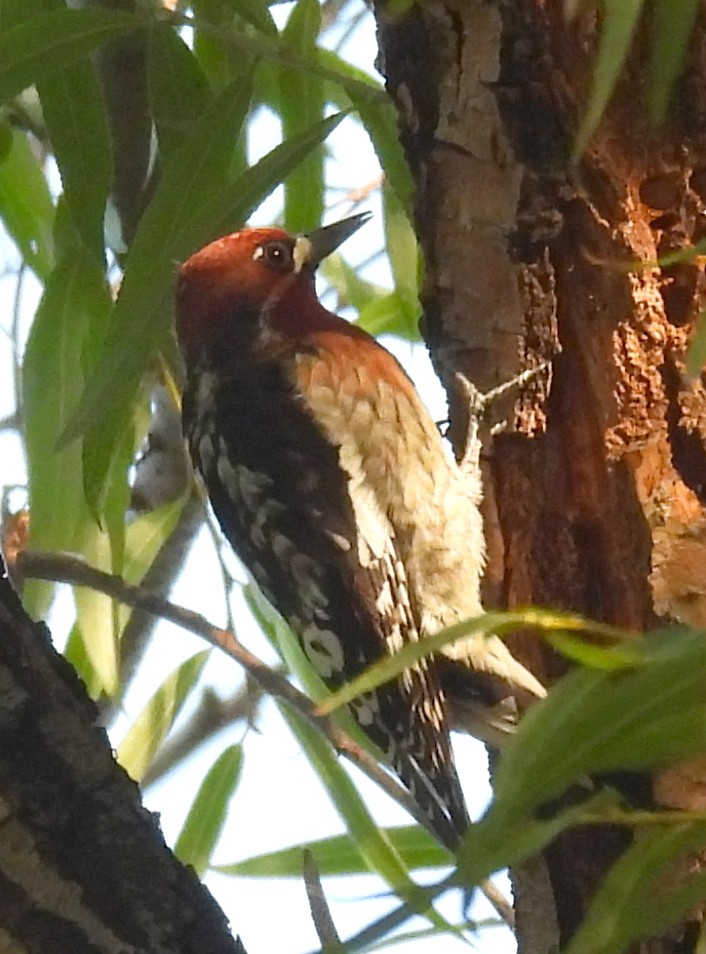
x=302 y=253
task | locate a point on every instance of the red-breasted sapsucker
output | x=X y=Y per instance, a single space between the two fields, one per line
x=331 y=482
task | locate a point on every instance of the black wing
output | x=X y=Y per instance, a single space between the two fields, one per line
x=328 y=565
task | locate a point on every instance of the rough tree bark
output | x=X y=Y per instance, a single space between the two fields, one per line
x=83 y=867
x=595 y=493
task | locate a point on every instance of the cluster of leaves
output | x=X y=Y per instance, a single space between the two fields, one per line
x=637 y=704
x=105 y=252
x=82 y=432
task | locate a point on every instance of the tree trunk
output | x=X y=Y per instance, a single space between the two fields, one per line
x=595 y=490
x=83 y=867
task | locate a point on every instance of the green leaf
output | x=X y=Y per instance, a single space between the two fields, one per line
x=97 y=615
x=178 y=90
x=256 y=183
x=380 y=311
x=352 y=289
x=489 y=623
x=301 y=105
x=589 y=654
x=207 y=815
x=38 y=48
x=637 y=718
x=108 y=498
x=150 y=728
x=391 y=315
x=257 y=14
x=671 y=28
x=379 y=120
x=146 y=536
x=26 y=207
x=620 y=19
x=340 y=855
x=51 y=377
x=75 y=652
x=171 y=228
x=272 y=51
x=376 y=849
x=287 y=645
x=504 y=838
x=649 y=890
x=72 y=105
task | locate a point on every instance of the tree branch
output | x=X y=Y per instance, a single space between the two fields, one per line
x=67 y=568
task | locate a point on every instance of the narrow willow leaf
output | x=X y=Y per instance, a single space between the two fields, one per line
x=329 y=67
x=26 y=207
x=372 y=842
x=109 y=498
x=374 y=846
x=150 y=728
x=97 y=615
x=256 y=183
x=494 y=843
x=75 y=652
x=36 y=49
x=391 y=315
x=301 y=105
x=170 y=229
x=352 y=289
x=51 y=378
x=380 y=123
x=72 y=106
x=671 y=27
x=204 y=823
x=220 y=61
x=620 y=19
x=637 y=718
x=340 y=855
x=288 y=646
x=597 y=657
x=496 y=623
x=647 y=891
x=72 y=109
x=178 y=89
x=256 y=13
x=502 y=838
x=146 y=536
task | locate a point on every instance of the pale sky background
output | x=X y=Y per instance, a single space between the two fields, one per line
x=270 y=915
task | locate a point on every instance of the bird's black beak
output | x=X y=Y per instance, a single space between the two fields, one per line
x=323 y=241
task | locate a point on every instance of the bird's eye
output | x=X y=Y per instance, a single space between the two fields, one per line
x=275 y=254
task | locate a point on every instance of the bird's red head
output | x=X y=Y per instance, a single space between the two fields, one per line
x=254 y=281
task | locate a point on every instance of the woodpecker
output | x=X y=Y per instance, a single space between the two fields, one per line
x=333 y=485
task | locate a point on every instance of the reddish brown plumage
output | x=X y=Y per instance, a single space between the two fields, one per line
x=332 y=483
x=223 y=279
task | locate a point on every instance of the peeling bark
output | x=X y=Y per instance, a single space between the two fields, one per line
x=596 y=489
